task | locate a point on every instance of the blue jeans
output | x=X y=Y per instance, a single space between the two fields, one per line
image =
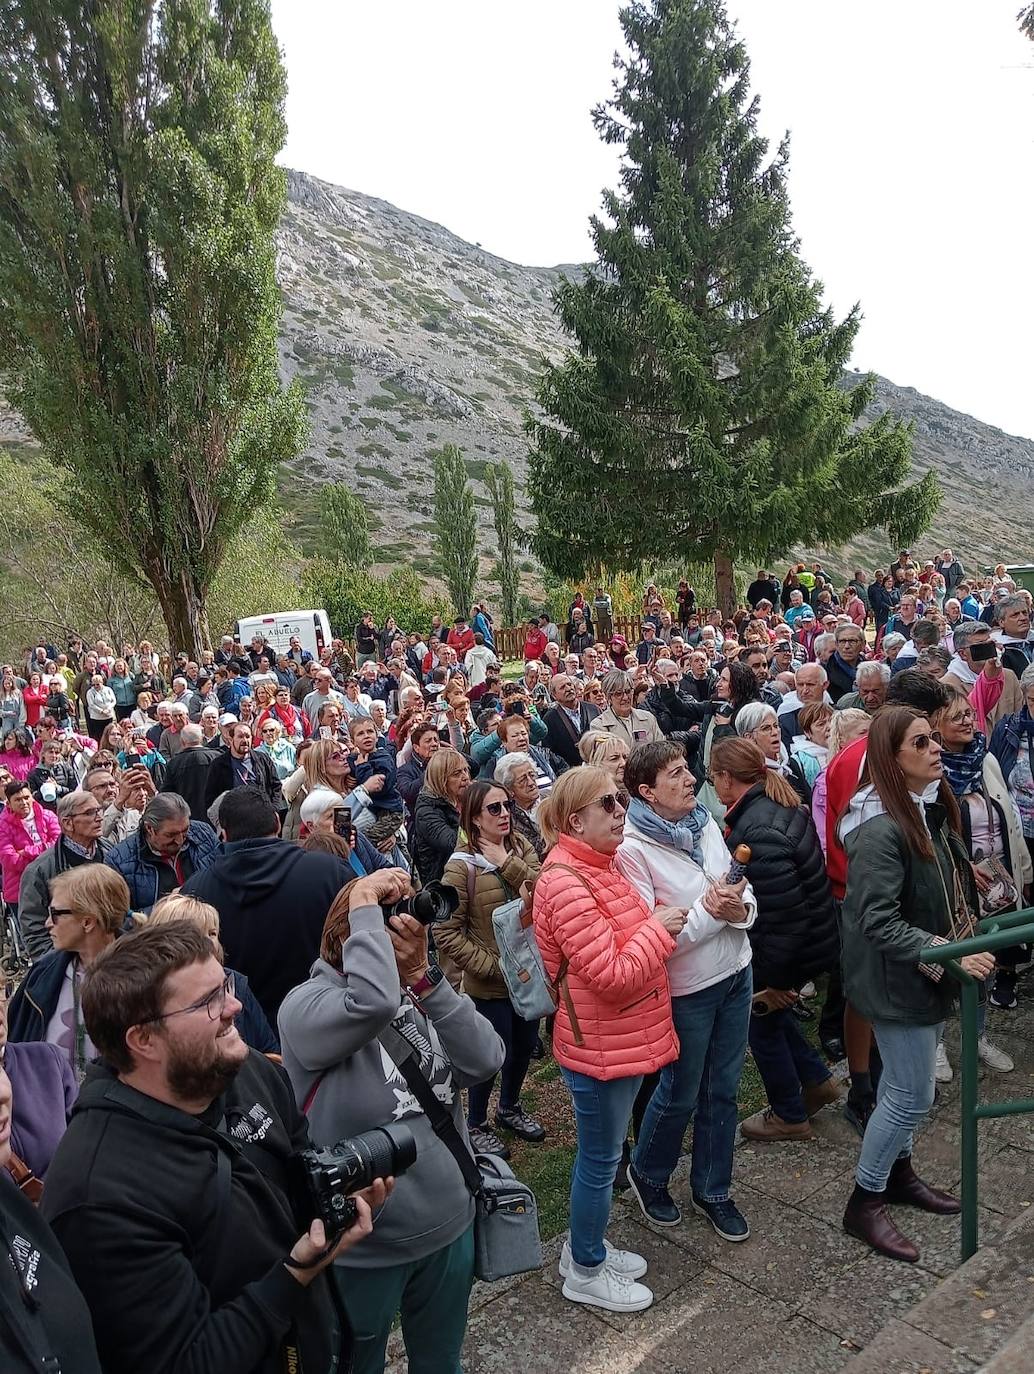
x=904 y=1097
x=785 y=1062
x=712 y=1030
x=601 y=1113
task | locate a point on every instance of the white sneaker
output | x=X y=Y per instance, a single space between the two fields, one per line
x=808 y=990
x=943 y=1071
x=994 y=1057
x=626 y=1262
x=609 y=1289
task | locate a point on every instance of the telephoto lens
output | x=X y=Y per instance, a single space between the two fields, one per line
x=350 y=1166
x=434 y=902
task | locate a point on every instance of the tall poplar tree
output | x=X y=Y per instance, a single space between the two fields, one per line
x=345 y=524
x=702 y=415
x=455 y=534
x=499 y=481
x=139 y=197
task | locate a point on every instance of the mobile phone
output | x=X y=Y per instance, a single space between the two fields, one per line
x=326 y=732
x=981 y=653
x=343 y=822
x=133 y=760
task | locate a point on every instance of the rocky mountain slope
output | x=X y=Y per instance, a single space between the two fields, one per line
x=408 y=338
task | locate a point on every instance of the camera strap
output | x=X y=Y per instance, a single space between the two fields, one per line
x=404 y=1056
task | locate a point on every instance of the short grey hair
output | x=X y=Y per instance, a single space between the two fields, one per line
x=68 y=805
x=1011 y=603
x=665 y=663
x=823 y=642
x=893 y=640
x=870 y=668
x=617 y=680
x=933 y=653
x=753 y=715
x=165 y=806
x=925 y=634
x=177 y=708
x=966 y=631
x=801 y=668
x=190 y=735
x=1026 y=680
x=509 y=764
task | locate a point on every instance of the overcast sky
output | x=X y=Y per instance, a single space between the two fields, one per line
x=912 y=129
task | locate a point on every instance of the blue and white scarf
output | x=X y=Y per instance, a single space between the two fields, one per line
x=965 y=769
x=684 y=834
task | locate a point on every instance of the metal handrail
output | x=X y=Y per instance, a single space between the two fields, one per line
x=996 y=932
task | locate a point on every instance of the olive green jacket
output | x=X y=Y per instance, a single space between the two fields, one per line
x=895 y=902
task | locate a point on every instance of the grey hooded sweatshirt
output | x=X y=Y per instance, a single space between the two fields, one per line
x=328 y=1033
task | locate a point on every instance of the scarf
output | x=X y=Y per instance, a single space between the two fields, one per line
x=684 y=834
x=984 y=696
x=849 y=670
x=964 y=770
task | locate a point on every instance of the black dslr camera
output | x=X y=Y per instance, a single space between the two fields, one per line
x=332 y=1176
x=434 y=902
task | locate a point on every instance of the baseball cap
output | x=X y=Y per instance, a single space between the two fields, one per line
x=227 y=718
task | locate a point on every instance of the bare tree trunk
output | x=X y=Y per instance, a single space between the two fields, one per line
x=184 y=613
x=724 y=584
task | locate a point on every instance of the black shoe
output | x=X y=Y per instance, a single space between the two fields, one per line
x=657 y=1203
x=523 y=1126
x=1003 y=994
x=726 y=1218
x=802 y=1011
x=539 y=1052
x=834 y=1050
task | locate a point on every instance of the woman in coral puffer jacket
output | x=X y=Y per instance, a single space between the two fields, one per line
x=608 y=951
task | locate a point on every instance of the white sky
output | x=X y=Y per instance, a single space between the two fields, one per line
x=912 y=125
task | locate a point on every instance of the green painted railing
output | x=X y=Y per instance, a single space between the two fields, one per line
x=996 y=932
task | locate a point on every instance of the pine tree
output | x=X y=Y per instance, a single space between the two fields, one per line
x=499 y=481
x=139 y=196
x=702 y=415
x=455 y=535
x=345 y=525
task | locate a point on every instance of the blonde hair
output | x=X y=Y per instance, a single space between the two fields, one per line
x=315 y=763
x=180 y=906
x=93 y=890
x=436 y=775
x=265 y=695
x=597 y=745
x=572 y=791
x=847 y=725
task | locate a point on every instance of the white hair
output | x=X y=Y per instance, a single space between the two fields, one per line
x=753 y=715
x=871 y=668
x=509 y=764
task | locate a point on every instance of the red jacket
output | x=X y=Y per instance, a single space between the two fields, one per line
x=617 y=974
x=17 y=851
x=461 y=640
x=842 y=774
x=534 y=645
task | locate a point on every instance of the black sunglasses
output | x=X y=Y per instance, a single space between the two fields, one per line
x=497 y=808
x=610 y=802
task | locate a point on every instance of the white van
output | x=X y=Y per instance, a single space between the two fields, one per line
x=311 y=627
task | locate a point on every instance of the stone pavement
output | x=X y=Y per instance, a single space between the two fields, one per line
x=799 y=1295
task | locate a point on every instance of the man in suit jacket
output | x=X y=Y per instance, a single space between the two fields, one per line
x=187 y=772
x=567 y=720
x=242 y=766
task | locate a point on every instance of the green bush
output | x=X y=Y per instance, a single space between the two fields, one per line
x=344 y=593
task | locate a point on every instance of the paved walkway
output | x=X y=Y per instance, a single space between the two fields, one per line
x=799 y=1296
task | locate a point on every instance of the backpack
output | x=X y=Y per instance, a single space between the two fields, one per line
x=530 y=991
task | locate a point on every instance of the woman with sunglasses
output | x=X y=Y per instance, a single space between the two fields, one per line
x=993 y=834
x=280 y=750
x=89 y=905
x=606 y=951
x=491 y=865
x=909 y=884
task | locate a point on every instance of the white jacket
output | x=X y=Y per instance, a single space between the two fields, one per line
x=707 y=950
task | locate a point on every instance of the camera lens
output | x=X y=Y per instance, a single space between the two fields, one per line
x=434 y=902
x=386 y=1151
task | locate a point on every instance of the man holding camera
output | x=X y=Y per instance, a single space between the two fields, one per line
x=339 y=1033
x=172 y=1191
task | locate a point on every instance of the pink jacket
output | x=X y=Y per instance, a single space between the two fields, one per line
x=17 y=851
x=617 y=979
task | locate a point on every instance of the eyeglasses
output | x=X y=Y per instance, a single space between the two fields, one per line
x=964 y=717
x=214 y=1003
x=609 y=802
x=920 y=743
x=497 y=808
x=87 y=811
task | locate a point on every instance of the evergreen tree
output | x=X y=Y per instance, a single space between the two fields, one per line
x=139 y=196
x=455 y=536
x=702 y=416
x=499 y=481
x=345 y=525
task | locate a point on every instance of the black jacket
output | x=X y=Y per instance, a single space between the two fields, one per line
x=840 y=681
x=674 y=709
x=763 y=589
x=179 y=1258
x=698 y=689
x=220 y=777
x=272 y=899
x=795 y=935
x=409 y=780
x=561 y=736
x=436 y=824
x=54 y=1324
x=187 y=774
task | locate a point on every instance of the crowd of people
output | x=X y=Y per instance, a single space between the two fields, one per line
x=209 y=869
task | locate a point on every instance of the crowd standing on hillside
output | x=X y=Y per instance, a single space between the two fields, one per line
x=208 y=872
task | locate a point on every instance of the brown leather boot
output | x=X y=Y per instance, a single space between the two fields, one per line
x=819 y=1095
x=867 y=1218
x=907 y=1189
